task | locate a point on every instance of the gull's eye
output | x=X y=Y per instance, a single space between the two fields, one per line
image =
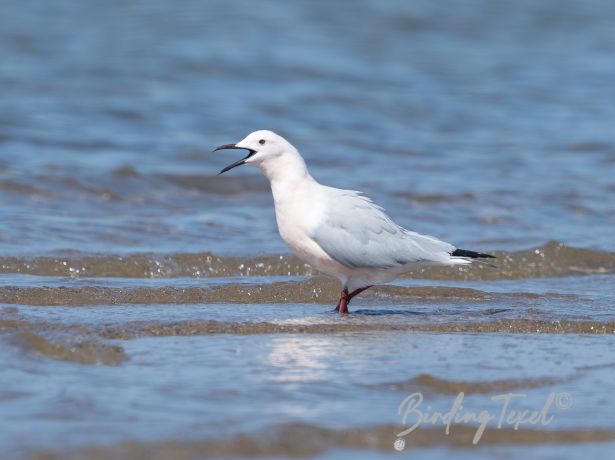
x=262 y=142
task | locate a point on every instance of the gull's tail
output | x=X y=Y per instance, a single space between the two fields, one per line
x=471 y=254
x=464 y=256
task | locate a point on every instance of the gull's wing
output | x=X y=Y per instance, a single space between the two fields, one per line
x=358 y=234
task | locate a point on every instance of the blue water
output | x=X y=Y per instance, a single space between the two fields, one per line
x=502 y=111
x=487 y=124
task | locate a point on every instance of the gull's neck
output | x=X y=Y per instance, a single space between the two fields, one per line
x=287 y=172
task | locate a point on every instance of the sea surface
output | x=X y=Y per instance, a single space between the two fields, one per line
x=148 y=307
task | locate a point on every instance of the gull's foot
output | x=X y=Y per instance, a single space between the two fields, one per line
x=356 y=292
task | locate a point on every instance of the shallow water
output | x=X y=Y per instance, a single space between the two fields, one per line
x=144 y=299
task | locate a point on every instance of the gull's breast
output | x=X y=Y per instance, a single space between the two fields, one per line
x=297 y=214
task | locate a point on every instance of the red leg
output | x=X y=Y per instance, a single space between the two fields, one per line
x=342 y=305
x=357 y=291
x=345 y=298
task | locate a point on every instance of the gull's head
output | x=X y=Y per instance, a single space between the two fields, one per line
x=263 y=147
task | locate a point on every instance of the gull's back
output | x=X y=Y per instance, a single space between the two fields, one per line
x=358 y=234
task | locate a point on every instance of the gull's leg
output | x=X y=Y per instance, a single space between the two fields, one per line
x=342 y=305
x=345 y=298
x=357 y=291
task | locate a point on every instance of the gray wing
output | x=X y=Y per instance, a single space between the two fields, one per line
x=358 y=234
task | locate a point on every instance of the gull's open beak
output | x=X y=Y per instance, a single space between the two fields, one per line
x=237 y=163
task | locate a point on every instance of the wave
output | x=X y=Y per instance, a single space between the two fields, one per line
x=307 y=440
x=82 y=351
x=426 y=383
x=312 y=290
x=515 y=326
x=126 y=184
x=136 y=329
x=550 y=260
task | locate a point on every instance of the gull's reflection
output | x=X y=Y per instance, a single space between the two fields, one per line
x=302 y=359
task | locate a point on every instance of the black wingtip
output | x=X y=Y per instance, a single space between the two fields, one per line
x=471 y=254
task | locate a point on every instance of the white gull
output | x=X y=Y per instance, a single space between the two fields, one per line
x=340 y=233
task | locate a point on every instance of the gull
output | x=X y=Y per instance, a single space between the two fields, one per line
x=340 y=233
